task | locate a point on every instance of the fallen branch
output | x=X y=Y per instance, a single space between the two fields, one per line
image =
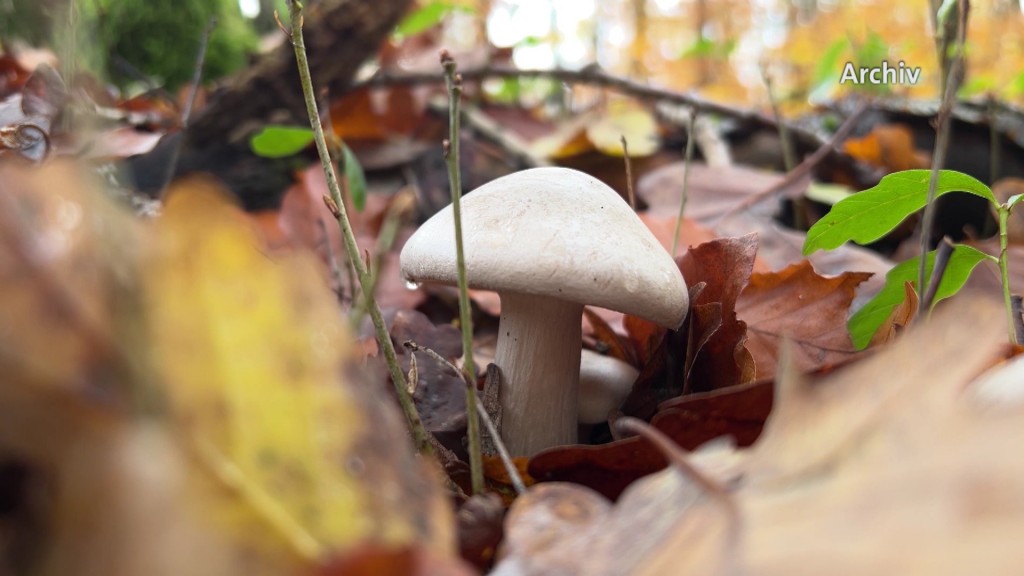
x=804 y=168
x=593 y=76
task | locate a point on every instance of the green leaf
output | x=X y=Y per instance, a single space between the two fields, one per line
x=426 y=18
x=866 y=321
x=873 y=51
x=355 y=177
x=1013 y=201
x=707 y=48
x=873 y=213
x=825 y=73
x=829 y=194
x=1017 y=85
x=979 y=85
x=280 y=141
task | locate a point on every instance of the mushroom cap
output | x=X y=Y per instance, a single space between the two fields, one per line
x=554 y=232
x=605 y=382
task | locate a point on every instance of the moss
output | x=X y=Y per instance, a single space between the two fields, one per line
x=159 y=39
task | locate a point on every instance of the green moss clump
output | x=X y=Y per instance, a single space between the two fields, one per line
x=160 y=38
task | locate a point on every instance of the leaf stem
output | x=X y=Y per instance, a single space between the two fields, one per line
x=453 y=81
x=1004 y=270
x=387 y=347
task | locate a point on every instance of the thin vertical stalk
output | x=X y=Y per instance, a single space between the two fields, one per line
x=949 y=83
x=454 y=83
x=419 y=434
x=1004 y=273
x=687 y=161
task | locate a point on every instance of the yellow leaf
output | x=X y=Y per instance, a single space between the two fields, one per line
x=569 y=139
x=623 y=119
x=252 y=352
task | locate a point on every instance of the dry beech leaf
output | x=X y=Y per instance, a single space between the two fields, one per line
x=891 y=464
x=272 y=458
x=411 y=560
x=624 y=119
x=481 y=528
x=253 y=353
x=799 y=304
x=440 y=395
x=886 y=466
x=724 y=265
x=568 y=139
x=665 y=523
x=900 y=318
x=714 y=192
x=689 y=421
x=617 y=346
x=812 y=423
x=889 y=146
x=66 y=259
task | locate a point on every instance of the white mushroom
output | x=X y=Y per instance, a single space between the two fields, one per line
x=605 y=382
x=548 y=240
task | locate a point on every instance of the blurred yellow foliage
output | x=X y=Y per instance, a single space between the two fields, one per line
x=191 y=393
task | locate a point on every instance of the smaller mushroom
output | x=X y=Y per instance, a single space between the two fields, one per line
x=604 y=384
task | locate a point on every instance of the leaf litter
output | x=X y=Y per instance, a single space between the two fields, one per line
x=881 y=461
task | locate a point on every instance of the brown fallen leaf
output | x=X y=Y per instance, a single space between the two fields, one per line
x=899 y=319
x=440 y=395
x=480 y=525
x=691 y=233
x=887 y=466
x=412 y=560
x=725 y=266
x=888 y=146
x=689 y=421
x=675 y=521
x=616 y=345
x=708 y=351
x=714 y=192
x=192 y=402
x=799 y=304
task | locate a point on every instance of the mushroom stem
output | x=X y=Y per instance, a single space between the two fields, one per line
x=538 y=351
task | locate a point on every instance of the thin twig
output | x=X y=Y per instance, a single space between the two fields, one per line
x=453 y=81
x=590 y=75
x=950 y=83
x=788 y=153
x=804 y=168
x=419 y=434
x=942 y=255
x=499 y=446
x=397 y=211
x=687 y=163
x=506 y=458
x=197 y=76
x=515 y=147
x=332 y=262
x=1017 y=305
x=995 y=147
x=630 y=192
x=1003 y=212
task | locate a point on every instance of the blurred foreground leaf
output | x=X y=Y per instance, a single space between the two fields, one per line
x=193 y=399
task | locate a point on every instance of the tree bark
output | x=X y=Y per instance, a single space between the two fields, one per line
x=340 y=35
